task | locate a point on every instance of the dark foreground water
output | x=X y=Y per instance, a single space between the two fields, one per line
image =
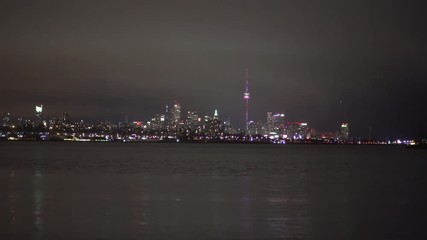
x=52 y=190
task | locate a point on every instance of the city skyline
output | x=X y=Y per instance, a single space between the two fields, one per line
x=175 y=119
x=175 y=113
x=174 y=126
x=319 y=63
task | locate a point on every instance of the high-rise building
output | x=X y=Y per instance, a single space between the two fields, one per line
x=65 y=117
x=279 y=122
x=344 y=131
x=246 y=97
x=192 y=120
x=176 y=115
x=296 y=130
x=126 y=119
x=275 y=123
x=270 y=123
x=279 y=118
x=215 y=116
x=39 y=111
x=168 y=118
x=255 y=128
x=228 y=128
x=157 y=122
x=214 y=127
x=6 y=119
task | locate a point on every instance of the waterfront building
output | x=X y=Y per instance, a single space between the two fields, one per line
x=255 y=128
x=296 y=130
x=228 y=128
x=275 y=123
x=215 y=128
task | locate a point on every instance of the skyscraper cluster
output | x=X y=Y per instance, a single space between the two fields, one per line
x=173 y=123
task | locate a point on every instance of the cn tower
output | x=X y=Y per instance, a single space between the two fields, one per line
x=246 y=96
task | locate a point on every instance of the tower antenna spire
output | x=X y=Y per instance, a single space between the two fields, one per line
x=247 y=78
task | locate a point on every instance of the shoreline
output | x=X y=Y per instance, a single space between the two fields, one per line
x=372 y=143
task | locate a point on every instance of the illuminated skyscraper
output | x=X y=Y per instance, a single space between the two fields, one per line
x=270 y=123
x=215 y=114
x=39 y=111
x=246 y=97
x=192 y=120
x=296 y=130
x=228 y=128
x=6 y=119
x=65 y=117
x=168 y=118
x=279 y=122
x=176 y=114
x=255 y=128
x=275 y=123
x=344 y=132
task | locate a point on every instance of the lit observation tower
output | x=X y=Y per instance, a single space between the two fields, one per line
x=246 y=96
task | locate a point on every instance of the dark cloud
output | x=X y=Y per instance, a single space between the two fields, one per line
x=318 y=61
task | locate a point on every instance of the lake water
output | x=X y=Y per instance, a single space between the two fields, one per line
x=56 y=190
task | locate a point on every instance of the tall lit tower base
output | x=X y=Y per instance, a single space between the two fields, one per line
x=246 y=97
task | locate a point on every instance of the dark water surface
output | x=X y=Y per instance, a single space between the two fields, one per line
x=52 y=190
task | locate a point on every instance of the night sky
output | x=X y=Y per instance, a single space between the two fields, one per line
x=321 y=62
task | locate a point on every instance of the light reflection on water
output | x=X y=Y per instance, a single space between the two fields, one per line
x=38 y=201
x=209 y=191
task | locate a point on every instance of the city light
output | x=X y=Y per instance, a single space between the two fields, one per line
x=172 y=126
